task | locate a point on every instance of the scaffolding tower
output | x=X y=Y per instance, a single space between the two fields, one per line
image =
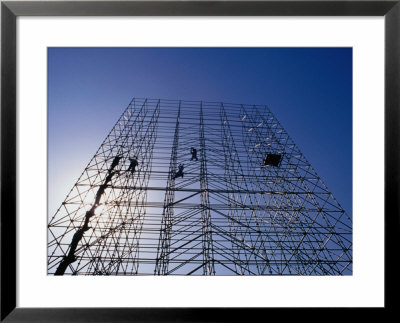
x=199 y=188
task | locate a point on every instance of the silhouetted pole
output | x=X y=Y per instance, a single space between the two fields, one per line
x=70 y=258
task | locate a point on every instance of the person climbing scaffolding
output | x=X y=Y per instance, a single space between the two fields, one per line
x=133 y=164
x=179 y=173
x=193 y=151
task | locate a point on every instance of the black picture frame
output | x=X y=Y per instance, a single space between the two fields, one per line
x=10 y=10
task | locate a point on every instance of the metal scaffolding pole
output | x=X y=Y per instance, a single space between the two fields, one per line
x=164 y=242
x=208 y=250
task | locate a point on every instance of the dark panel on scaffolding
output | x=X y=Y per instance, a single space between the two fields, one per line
x=272 y=159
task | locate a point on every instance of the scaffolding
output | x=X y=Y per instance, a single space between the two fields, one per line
x=246 y=202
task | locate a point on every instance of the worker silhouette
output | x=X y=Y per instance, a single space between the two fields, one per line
x=193 y=151
x=133 y=164
x=179 y=173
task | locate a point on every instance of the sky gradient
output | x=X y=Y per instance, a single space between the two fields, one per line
x=309 y=90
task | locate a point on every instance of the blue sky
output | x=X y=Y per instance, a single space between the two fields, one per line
x=308 y=89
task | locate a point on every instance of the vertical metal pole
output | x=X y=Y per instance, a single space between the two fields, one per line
x=164 y=242
x=208 y=253
x=235 y=178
